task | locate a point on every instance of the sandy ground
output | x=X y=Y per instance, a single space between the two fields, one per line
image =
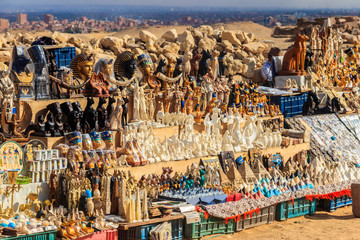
x=340 y=224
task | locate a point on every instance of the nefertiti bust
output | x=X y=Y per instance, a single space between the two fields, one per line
x=82 y=66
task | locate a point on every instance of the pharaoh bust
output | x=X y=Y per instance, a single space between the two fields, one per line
x=125 y=66
x=82 y=66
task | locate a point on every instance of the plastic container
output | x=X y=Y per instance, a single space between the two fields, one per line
x=301 y=207
x=332 y=205
x=50 y=235
x=265 y=216
x=143 y=232
x=111 y=234
x=208 y=226
x=23 y=180
x=63 y=56
x=290 y=105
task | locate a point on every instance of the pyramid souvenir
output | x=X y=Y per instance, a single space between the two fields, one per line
x=247 y=174
x=234 y=176
x=224 y=180
x=288 y=168
x=260 y=171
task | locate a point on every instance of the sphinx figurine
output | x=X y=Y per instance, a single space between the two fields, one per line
x=21 y=74
x=41 y=76
x=82 y=67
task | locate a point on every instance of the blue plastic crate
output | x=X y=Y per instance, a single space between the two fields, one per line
x=143 y=232
x=63 y=56
x=299 y=207
x=290 y=105
x=332 y=205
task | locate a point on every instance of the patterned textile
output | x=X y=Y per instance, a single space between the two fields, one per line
x=245 y=205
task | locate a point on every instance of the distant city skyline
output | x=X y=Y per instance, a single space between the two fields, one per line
x=256 y=4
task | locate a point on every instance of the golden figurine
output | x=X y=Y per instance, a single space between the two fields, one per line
x=82 y=67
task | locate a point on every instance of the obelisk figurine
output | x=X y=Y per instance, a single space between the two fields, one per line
x=138 y=206
x=145 y=211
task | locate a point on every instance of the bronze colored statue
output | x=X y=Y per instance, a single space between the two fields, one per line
x=82 y=66
x=13 y=129
x=98 y=86
x=195 y=64
x=294 y=58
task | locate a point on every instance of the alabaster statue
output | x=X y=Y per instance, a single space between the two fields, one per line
x=82 y=67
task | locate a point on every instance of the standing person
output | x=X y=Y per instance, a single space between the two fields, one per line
x=267 y=71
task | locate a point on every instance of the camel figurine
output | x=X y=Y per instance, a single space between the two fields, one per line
x=294 y=58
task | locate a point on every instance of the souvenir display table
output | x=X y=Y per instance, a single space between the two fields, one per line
x=172 y=146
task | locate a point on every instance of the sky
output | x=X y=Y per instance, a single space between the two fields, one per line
x=304 y=4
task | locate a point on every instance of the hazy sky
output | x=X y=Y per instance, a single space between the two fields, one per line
x=199 y=3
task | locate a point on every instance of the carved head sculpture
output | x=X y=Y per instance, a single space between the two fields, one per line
x=125 y=65
x=82 y=66
x=19 y=58
x=145 y=64
x=104 y=66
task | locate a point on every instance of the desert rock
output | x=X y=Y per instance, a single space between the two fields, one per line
x=186 y=40
x=109 y=42
x=146 y=35
x=206 y=29
x=231 y=37
x=170 y=35
x=255 y=47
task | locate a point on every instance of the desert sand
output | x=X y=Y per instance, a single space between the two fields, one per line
x=340 y=224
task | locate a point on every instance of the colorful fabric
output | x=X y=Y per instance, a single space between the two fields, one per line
x=245 y=206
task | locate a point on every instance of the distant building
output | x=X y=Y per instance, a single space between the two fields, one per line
x=21 y=18
x=4 y=24
x=48 y=18
x=83 y=19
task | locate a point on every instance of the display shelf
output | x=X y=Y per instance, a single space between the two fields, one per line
x=126 y=226
x=181 y=165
